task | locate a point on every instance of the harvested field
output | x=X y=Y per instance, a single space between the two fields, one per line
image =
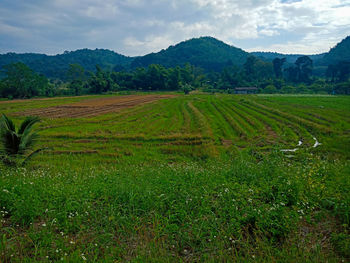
x=94 y=107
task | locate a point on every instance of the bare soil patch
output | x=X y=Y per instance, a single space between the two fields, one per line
x=94 y=107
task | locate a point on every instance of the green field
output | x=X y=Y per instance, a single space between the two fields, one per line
x=185 y=179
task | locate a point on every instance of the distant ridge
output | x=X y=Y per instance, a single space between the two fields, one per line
x=56 y=66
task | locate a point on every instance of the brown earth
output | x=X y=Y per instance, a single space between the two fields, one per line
x=38 y=99
x=94 y=107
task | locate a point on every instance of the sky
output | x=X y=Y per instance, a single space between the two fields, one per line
x=139 y=27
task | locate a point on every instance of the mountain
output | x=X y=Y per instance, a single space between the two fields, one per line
x=205 y=52
x=56 y=66
x=341 y=52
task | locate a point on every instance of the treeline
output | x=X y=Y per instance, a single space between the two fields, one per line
x=22 y=82
x=269 y=77
x=281 y=77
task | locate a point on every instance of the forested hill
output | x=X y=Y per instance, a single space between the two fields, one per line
x=341 y=52
x=56 y=66
x=205 y=52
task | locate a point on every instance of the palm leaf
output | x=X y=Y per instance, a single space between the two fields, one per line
x=27 y=124
x=10 y=142
x=32 y=154
x=28 y=139
x=13 y=142
x=7 y=124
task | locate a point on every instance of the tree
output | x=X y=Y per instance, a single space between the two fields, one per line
x=292 y=74
x=344 y=70
x=256 y=69
x=187 y=89
x=22 y=82
x=277 y=66
x=76 y=76
x=173 y=82
x=339 y=72
x=156 y=77
x=270 y=89
x=304 y=65
x=249 y=67
x=100 y=82
x=17 y=143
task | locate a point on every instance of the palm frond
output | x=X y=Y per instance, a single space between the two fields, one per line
x=9 y=142
x=28 y=139
x=27 y=124
x=7 y=124
x=32 y=154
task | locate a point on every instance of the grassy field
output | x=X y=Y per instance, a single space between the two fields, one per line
x=182 y=179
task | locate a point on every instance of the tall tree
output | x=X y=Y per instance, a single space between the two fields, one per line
x=277 y=66
x=76 y=76
x=305 y=66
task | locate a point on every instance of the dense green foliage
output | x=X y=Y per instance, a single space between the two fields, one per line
x=152 y=78
x=22 y=82
x=341 y=52
x=196 y=178
x=203 y=63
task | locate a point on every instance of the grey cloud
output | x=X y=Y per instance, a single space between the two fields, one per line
x=136 y=27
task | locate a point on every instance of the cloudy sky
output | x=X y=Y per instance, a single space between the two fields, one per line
x=138 y=27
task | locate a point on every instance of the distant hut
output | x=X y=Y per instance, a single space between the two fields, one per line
x=246 y=90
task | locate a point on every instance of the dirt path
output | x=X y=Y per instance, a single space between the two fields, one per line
x=94 y=107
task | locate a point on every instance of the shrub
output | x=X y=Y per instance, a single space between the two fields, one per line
x=15 y=143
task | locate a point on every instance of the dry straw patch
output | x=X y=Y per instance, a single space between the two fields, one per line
x=94 y=107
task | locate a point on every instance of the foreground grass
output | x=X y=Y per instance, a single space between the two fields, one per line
x=238 y=209
x=196 y=178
